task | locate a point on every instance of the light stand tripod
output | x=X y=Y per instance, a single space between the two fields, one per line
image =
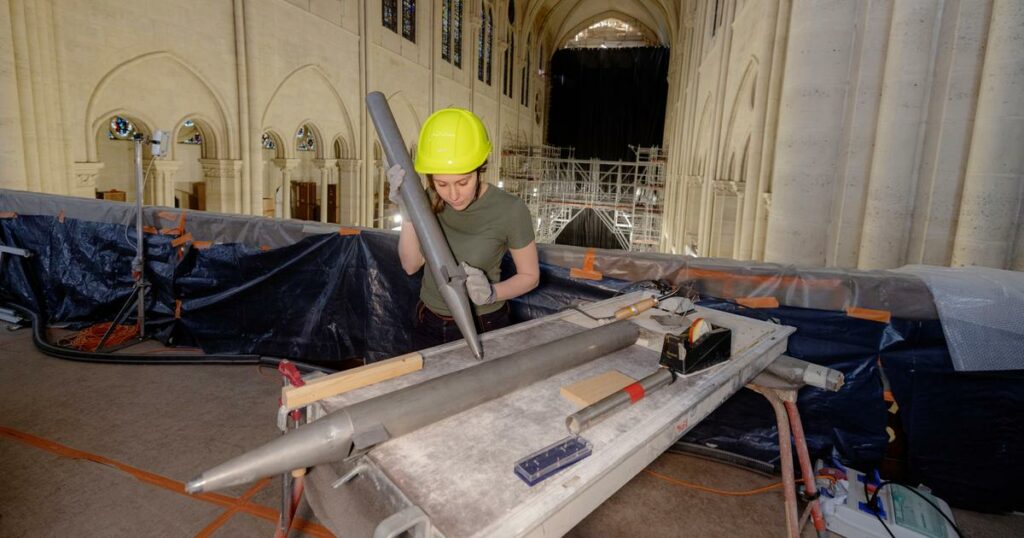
x=138 y=263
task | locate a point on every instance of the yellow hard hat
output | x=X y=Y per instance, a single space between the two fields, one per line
x=452 y=141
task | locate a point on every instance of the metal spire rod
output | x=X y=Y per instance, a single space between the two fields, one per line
x=358 y=427
x=450 y=278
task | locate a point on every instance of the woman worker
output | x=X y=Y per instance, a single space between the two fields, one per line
x=480 y=222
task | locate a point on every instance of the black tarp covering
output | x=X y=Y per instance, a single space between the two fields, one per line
x=603 y=100
x=323 y=299
x=329 y=297
x=965 y=430
x=587 y=229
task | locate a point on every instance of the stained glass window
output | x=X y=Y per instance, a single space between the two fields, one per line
x=480 y=44
x=507 y=81
x=409 y=20
x=306 y=141
x=446 y=31
x=490 y=43
x=268 y=141
x=189 y=134
x=389 y=14
x=120 y=129
x=457 y=34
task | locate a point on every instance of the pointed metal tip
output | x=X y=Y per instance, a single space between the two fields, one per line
x=195 y=486
x=477 y=349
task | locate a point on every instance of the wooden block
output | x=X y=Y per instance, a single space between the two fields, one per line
x=337 y=383
x=588 y=391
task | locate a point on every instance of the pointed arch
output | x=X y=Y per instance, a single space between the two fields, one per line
x=308 y=100
x=740 y=107
x=152 y=95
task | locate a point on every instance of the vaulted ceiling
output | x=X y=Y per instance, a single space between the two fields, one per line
x=557 y=21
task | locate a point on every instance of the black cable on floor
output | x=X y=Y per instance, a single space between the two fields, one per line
x=39 y=339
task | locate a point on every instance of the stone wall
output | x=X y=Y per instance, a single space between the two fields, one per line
x=866 y=134
x=237 y=69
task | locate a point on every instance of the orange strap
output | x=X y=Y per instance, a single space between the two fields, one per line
x=177 y=309
x=202 y=245
x=881 y=316
x=163 y=482
x=264 y=248
x=223 y=518
x=586 y=272
x=8 y=215
x=60 y=217
x=348 y=231
x=758 y=302
x=148 y=230
x=181 y=240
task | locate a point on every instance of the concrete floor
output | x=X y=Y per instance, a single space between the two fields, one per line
x=168 y=423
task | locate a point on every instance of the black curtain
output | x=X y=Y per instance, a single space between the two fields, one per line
x=603 y=100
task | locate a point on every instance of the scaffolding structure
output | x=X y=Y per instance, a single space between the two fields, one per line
x=626 y=195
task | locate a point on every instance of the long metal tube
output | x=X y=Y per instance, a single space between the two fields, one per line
x=597 y=411
x=436 y=251
x=801 y=372
x=367 y=423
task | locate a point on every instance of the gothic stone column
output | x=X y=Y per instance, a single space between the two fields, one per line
x=990 y=208
x=324 y=166
x=286 y=166
x=162 y=179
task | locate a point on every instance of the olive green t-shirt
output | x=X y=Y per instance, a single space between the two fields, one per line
x=480 y=235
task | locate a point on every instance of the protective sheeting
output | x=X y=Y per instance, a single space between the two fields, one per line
x=303 y=291
x=980 y=309
x=822 y=288
x=904 y=295
x=965 y=430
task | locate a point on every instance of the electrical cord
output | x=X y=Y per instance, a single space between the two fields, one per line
x=39 y=339
x=726 y=493
x=873 y=504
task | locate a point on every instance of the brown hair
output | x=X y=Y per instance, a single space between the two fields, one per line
x=437 y=203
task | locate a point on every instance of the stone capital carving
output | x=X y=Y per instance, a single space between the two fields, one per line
x=766 y=200
x=86 y=173
x=219 y=169
x=694 y=181
x=725 y=186
x=286 y=164
x=320 y=164
x=166 y=166
x=349 y=165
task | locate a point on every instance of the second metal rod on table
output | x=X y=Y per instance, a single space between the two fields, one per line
x=597 y=411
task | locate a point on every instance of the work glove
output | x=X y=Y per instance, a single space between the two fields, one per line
x=480 y=290
x=396 y=176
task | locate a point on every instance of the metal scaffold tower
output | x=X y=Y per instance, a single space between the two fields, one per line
x=626 y=195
